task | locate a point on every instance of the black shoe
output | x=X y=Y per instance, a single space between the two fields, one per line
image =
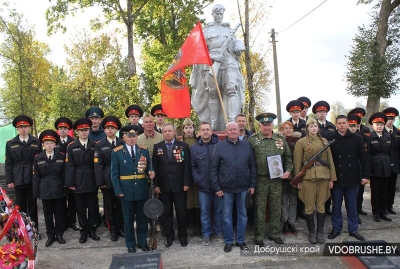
x=113 y=236
x=242 y=246
x=333 y=234
x=359 y=220
x=385 y=217
x=60 y=239
x=259 y=243
x=170 y=240
x=144 y=248
x=285 y=229
x=362 y=212
x=277 y=240
x=184 y=241
x=121 y=233
x=328 y=211
x=83 y=238
x=292 y=229
x=94 y=236
x=50 y=241
x=132 y=250
x=376 y=218
x=228 y=248
x=75 y=226
x=357 y=236
x=391 y=211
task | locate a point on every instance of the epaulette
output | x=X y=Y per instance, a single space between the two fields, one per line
x=37 y=155
x=142 y=147
x=70 y=143
x=118 y=148
x=253 y=134
x=279 y=135
x=97 y=141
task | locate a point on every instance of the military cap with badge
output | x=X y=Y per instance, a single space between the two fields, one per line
x=157 y=110
x=82 y=123
x=265 y=118
x=359 y=111
x=22 y=120
x=63 y=122
x=94 y=112
x=306 y=102
x=295 y=105
x=133 y=110
x=321 y=106
x=49 y=135
x=111 y=121
x=353 y=119
x=378 y=117
x=129 y=130
x=391 y=112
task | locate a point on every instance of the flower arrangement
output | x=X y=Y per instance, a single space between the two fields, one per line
x=19 y=250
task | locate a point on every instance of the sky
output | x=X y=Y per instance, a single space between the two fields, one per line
x=311 y=53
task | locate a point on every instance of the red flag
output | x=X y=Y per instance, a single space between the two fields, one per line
x=175 y=99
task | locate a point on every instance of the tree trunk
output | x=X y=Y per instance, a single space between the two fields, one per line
x=249 y=69
x=381 y=44
x=131 y=56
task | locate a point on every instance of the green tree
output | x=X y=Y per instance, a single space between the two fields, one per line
x=26 y=72
x=337 y=109
x=113 y=10
x=374 y=59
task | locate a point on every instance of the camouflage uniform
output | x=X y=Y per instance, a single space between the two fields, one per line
x=266 y=187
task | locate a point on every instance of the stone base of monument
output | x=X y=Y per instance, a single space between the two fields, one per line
x=148 y=260
x=221 y=134
x=377 y=261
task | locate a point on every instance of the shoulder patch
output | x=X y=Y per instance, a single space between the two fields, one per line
x=37 y=154
x=118 y=148
x=71 y=142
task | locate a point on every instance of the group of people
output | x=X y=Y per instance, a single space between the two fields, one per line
x=206 y=180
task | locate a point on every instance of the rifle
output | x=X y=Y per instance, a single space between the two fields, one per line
x=316 y=158
x=216 y=65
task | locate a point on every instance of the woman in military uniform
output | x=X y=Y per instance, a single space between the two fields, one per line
x=379 y=146
x=318 y=180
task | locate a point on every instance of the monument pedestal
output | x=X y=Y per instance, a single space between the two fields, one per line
x=221 y=135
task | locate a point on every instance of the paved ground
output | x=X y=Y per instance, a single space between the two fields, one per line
x=99 y=254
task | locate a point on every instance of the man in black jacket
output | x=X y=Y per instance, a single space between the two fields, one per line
x=79 y=177
x=171 y=160
x=351 y=166
x=20 y=154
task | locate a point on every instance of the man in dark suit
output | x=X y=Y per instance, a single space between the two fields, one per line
x=171 y=159
x=129 y=166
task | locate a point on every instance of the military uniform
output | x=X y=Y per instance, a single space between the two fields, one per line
x=79 y=173
x=69 y=204
x=300 y=126
x=128 y=177
x=48 y=185
x=157 y=110
x=268 y=189
x=148 y=141
x=99 y=134
x=102 y=171
x=18 y=165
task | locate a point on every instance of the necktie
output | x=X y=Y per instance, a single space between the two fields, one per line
x=84 y=145
x=295 y=125
x=113 y=144
x=50 y=157
x=169 y=144
x=63 y=141
x=391 y=131
x=159 y=129
x=23 y=142
x=133 y=154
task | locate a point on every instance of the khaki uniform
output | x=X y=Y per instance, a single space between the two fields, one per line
x=314 y=191
x=268 y=188
x=148 y=141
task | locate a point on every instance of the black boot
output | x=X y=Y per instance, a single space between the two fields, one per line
x=320 y=227
x=311 y=228
x=190 y=225
x=196 y=221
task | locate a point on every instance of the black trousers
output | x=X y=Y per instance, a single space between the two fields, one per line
x=360 y=197
x=69 y=208
x=53 y=210
x=391 y=189
x=24 y=198
x=87 y=209
x=112 y=210
x=169 y=200
x=379 y=194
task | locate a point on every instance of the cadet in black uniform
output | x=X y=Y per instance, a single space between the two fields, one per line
x=134 y=113
x=96 y=131
x=394 y=133
x=102 y=171
x=20 y=154
x=63 y=125
x=307 y=103
x=364 y=131
x=79 y=177
x=294 y=108
x=158 y=113
x=48 y=185
x=379 y=146
x=326 y=129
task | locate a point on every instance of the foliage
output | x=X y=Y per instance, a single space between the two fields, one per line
x=26 y=70
x=337 y=109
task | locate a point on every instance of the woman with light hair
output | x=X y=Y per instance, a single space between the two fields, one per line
x=318 y=180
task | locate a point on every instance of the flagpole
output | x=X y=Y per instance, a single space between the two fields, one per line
x=219 y=95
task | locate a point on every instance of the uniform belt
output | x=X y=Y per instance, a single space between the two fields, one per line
x=318 y=164
x=132 y=177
